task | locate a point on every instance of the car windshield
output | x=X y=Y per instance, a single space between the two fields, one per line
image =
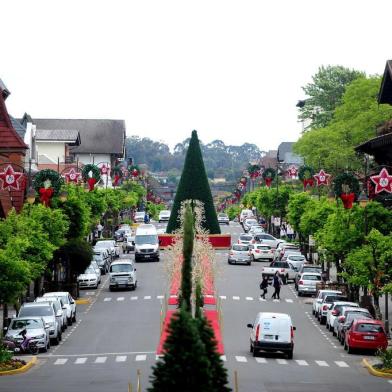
x=267 y=237
x=121 y=268
x=352 y=315
x=28 y=324
x=311 y=277
x=264 y=247
x=146 y=239
x=251 y=221
x=329 y=299
x=364 y=327
x=139 y=214
x=90 y=270
x=279 y=264
x=36 y=311
x=245 y=238
x=241 y=248
x=311 y=269
x=97 y=257
x=103 y=244
x=296 y=258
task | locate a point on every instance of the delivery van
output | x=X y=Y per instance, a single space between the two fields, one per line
x=122 y=275
x=146 y=243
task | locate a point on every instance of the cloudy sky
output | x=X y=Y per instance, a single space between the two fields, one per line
x=232 y=70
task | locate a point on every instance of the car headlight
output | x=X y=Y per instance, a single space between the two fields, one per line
x=112 y=279
x=40 y=337
x=51 y=324
x=130 y=279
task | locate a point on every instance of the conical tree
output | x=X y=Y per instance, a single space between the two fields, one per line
x=184 y=366
x=194 y=185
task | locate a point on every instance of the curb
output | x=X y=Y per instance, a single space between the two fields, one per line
x=23 y=369
x=83 y=301
x=375 y=372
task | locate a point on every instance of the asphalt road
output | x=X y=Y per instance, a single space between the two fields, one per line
x=118 y=333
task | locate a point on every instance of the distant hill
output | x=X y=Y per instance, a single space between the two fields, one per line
x=221 y=161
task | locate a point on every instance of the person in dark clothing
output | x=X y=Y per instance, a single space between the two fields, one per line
x=264 y=286
x=277 y=283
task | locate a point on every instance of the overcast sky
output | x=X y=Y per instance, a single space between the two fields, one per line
x=232 y=70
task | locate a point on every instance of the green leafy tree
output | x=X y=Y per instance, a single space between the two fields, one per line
x=79 y=216
x=233 y=211
x=325 y=94
x=79 y=253
x=194 y=186
x=298 y=204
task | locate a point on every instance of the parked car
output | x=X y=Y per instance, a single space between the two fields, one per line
x=307 y=283
x=286 y=271
x=365 y=334
x=129 y=243
x=249 y=222
x=272 y=332
x=35 y=327
x=245 y=239
x=286 y=248
x=319 y=299
x=245 y=214
x=296 y=259
x=102 y=260
x=345 y=321
x=293 y=252
x=266 y=239
x=146 y=243
x=307 y=268
x=139 y=216
x=256 y=230
x=60 y=312
x=326 y=304
x=88 y=279
x=120 y=233
x=47 y=312
x=68 y=302
x=109 y=244
x=223 y=218
x=122 y=274
x=164 y=216
x=97 y=269
x=334 y=312
x=239 y=254
x=261 y=252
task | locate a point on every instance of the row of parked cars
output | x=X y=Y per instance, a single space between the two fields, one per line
x=43 y=320
x=354 y=326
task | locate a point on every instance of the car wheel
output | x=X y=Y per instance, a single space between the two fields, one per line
x=229 y=261
x=249 y=263
x=251 y=348
x=290 y=354
x=253 y=258
x=60 y=337
x=345 y=346
x=110 y=288
x=69 y=320
x=74 y=317
x=284 y=280
x=350 y=350
x=135 y=284
x=255 y=352
x=55 y=341
x=299 y=294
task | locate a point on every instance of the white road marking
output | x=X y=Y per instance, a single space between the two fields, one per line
x=120 y=299
x=261 y=360
x=249 y=298
x=301 y=362
x=322 y=363
x=61 y=361
x=160 y=296
x=100 y=359
x=341 y=364
x=223 y=358
x=133 y=298
x=222 y=297
x=107 y=299
x=90 y=293
x=241 y=359
x=158 y=357
x=236 y=298
x=141 y=357
x=121 y=358
x=262 y=299
x=390 y=381
x=289 y=300
x=80 y=361
x=281 y=361
x=147 y=297
x=276 y=300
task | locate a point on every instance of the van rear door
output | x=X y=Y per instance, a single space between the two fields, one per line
x=275 y=329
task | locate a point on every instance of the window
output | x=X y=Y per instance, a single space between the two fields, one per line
x=311 y=277
x=121 y=268
x=241 y=248
x=146 y=239
x=28 y=324
x=370 y=328
x=36 y=311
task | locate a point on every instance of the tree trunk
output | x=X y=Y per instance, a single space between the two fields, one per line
x=377 y=306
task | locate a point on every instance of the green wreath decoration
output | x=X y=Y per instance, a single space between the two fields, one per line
x=269 y=173
x=253 y=168
x=94 y=169
x=51 y=175
x=346 y=179
x=117 y=171
x=305 y=172
x=132 y=168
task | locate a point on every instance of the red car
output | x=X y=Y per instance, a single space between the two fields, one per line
x=365 y=334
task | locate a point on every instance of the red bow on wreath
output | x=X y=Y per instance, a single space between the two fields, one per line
x=347 y=199
x=45 y=195
x=308 y=181
x=91 y=182
x=268 y=181
x=116 y=179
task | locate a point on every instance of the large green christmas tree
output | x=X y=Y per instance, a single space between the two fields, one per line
x=194 y=186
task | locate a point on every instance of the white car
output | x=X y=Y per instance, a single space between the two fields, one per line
x=267 y=239
x=139 y=217
x=88 y=279
x=60 y=310
x=256 y=229
x=248 y=223
x=110 y=245
x=296 y=259
x=223 y=218
x=245 y=214
x=68 y=302
x=97 y=269
x=164 y=216
x=334 y=312
x=261 y=252
x=272 y=332
x=122 y=274
x=307 y=283
x=245 y=239
x=319 y=299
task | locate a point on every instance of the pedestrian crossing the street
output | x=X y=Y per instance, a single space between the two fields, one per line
x=89 y=359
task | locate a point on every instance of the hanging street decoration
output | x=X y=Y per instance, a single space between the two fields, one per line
x=47 y=184
x=72 y=175
x=118 y=173
x=11 y=179
x=104 y=169
x=91 y=175
x=346 y=186
x=382 y=181
x=269 y=175
x=254 y=171
x=322 y=178
x=292 y=171
x=305 y=174
x=134 y=171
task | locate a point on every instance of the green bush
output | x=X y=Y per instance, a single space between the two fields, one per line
x=5 y=355
x=386 y=358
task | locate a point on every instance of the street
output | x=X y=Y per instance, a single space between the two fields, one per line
x=118 y=332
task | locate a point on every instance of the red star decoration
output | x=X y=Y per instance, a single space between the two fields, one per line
x=292 y=171
x=322 y=178
x=73 y=175
x=383 y=181
x=10 y=179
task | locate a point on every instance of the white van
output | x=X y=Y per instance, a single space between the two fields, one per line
x=245 y=214
x=122 y=274
x=272 y=332
x=146 y=243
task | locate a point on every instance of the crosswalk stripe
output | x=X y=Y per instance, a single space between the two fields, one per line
x=80 y=361
x=301 y=362
x=120 y=299
x=289 y=300
x=222 y=297
x=133 y=298
x=121 y=358
x=61 y=361
x=322 y=363
x=281 y=361
x=100 y=359
x=263 y=299
x=241 y=359
x=223 y=358
x=141 y=357
x=147 y=297
x=107 y=299
x=249 y=298
x=261 y=360
x=341 y=364
x=160 y=297
x=276 y=300
x=236 y=298
x=158 y=357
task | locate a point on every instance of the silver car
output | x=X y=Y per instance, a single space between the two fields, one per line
x=68 y=302
x=110 y=245
x=240 y=253
x=60 y=309
x=307 y=283
x=36 y=330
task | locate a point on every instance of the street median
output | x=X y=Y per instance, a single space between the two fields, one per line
x=22 y=369
x=376 y=372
